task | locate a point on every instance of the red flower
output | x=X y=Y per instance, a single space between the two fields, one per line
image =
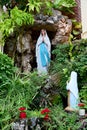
x=81 y=104
x=46 y=110
x=22 y=108
x=46 y=117
x=22 y=115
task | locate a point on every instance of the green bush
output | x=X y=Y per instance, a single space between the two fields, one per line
x=83 y=95
x=70 y=57
x=16 y=91
x=16 y=19
x=7 y=69
x=61 y=120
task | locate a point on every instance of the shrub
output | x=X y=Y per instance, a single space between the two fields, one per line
x=61 y=120
x=15 y=91
x=69 y=57
x=83 y=95
x=7 y=68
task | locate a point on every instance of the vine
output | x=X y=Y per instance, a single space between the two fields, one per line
x=16 y=19
x=22 y=12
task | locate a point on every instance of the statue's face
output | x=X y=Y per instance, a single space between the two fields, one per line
x=43 y=32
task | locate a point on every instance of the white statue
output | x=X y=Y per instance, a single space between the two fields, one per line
x=73 y=96
x=43 y=48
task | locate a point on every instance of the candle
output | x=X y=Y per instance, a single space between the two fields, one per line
x=81 y=112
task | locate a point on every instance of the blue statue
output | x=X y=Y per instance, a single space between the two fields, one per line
x=43 y=48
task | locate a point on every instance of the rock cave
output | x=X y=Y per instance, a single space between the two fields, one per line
x=20 y=45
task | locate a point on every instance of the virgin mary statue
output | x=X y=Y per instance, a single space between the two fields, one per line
x=43 y=48
x=73 y=95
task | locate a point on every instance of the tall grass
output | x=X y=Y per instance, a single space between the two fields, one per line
x=15 y=93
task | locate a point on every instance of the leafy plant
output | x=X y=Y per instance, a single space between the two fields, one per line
x=68 y=3
x=34 y=5
x=7 y=69
x=62 y=120
x=61 y=65
x=76 y=28
x=15 y=93
x=83 y=95
x=17 y=18
x=65 y=5
x=48 y=8
x=3 y=2
x=69 y=57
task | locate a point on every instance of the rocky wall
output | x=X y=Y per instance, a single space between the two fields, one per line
x=21 y=47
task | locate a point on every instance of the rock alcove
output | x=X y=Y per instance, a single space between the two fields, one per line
x=21 y=47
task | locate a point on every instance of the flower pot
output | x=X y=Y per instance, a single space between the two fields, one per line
x=81 y=112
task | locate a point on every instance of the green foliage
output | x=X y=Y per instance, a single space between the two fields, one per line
x=68 y=3
x=65 y=5
x=83 y=95
x=15 y=93
x=17 y=18
x=69 y=57
x=34 y=5
x=80 y=60
x=3 y=2
x=61 y=120
x=59 y=66
x=37 y=6
x=48 y=8
x=76 y=28
x=34 y=113
x=21 y=17
x=7 y=68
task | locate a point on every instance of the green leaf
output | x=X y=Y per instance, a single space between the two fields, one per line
x=76 y=32
x=64 y=3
